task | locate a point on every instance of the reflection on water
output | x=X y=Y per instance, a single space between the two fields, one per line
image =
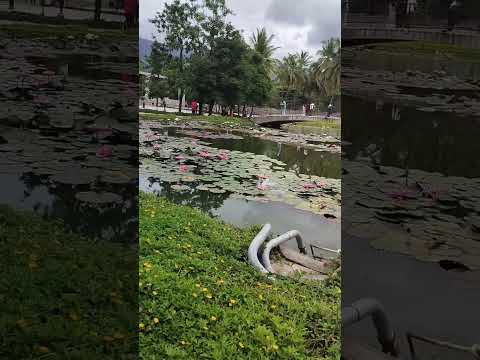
x=298 y=159
x=398 y=234
x=430 y=141
x=53 y=130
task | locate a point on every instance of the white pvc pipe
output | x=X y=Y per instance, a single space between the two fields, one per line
x=255 y=246
x=277 y=241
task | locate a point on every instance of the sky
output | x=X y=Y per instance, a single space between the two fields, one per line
x=297 y=24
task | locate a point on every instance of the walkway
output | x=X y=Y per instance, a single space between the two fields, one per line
x=68 y=13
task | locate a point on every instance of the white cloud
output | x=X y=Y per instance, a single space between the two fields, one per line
x=297 y=24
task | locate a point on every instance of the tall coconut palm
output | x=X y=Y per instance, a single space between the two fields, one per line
x=293 y=70
x=262 y=44
x=326 y=70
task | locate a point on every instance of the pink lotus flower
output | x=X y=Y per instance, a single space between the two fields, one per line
x=156 y=147
x=104 y=152
x=402 y=195
x=41 y=99
x=183 y=168
x=179 y=158
x=262 y=186
x=319 y=185
x=309 y=186
x=204 y=154
x=222 y=156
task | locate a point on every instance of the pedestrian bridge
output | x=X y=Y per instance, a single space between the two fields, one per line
x=277 y=120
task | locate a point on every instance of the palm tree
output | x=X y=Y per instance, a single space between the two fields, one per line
x=293 y=70
x=262 y=44
x=326 y=70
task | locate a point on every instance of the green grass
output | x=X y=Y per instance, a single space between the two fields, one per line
x=200 y=299
x=62 y=296
x=330 y=124
x=429 y=48
x=213 y=120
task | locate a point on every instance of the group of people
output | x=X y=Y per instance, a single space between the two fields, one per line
x=308 y=109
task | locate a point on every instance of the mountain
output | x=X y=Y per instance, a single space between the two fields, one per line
x=144 y=48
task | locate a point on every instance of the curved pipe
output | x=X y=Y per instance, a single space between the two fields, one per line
x=277 y=241
x=371 y=307
x=255 y=245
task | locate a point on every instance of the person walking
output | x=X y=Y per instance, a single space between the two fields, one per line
x=283 y=106
x=329 y=110
x=130 y=11
x=411 y=6
x=452 y=14
x=194 y=107
x=312 y=107
x=61 y=4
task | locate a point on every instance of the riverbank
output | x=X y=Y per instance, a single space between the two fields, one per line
x=64 y=296
x=217 y=120
x=200 y=297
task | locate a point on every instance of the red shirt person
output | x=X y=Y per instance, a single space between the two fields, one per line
x=130 y=10
x=194 y=106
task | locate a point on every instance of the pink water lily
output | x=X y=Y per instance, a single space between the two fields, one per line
x=204 y=154
x=309 y=186
x=156 y=147
x=183 y=168
x=104 y=151
x=179 y=158
x=402 y=195
x=262 y=186
x=222 y=156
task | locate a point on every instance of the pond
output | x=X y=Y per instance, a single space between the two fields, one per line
x=69 y=150
x=411 y=189
x=244 y=180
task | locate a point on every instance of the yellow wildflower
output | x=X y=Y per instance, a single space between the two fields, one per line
x=156 y=321
x=43 y=349
x=213 y=318
x=141 y=326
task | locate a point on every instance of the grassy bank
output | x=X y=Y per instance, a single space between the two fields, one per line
x=327 y=124
x=217 y=120
x=200 y=299
x=316 y=127
x=429 y=48
x=64 y=297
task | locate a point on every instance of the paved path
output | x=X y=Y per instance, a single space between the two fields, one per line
x=285 y=119
x=68 y=13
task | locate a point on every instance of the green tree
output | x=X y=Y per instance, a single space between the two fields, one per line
x=327 y=69
x=180 y=33
x=262 y=44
